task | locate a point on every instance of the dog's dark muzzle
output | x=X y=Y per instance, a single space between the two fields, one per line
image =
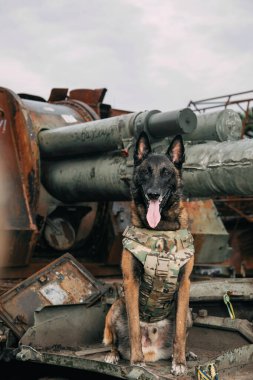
x=152 y=195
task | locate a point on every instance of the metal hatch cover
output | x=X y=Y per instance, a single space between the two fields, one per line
x=63 y=281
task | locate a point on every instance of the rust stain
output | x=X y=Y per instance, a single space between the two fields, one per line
x=22 y=164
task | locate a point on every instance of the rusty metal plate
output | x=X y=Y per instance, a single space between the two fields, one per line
x=64 y=281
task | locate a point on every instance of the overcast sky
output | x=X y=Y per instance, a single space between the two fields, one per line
x=149 y=54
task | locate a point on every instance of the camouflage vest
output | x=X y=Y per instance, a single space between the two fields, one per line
x=162 y=254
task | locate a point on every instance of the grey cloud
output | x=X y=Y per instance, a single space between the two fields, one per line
x=148 y=54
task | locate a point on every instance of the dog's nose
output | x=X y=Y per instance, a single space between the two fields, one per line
x=153 y=195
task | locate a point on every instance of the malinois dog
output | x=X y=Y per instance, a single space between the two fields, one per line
x=156 y=263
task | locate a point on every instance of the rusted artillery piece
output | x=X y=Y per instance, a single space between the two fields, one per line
x=68 y=164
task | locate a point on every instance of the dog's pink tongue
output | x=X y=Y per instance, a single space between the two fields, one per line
x=153 y=214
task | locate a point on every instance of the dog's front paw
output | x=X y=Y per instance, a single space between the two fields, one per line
x=139 y=364
x=178 y=369
x=137 y=359
x=112 y=358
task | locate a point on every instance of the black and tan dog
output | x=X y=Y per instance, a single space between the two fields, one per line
x=157 y=261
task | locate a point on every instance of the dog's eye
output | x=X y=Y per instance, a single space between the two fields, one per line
x=165 y=172
x=147 y=172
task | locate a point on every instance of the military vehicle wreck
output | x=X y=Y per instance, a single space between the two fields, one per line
x=67 y=165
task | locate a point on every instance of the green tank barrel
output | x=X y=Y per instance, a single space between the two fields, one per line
x=224 y=168
x=102 y=178
x=220 y=126
x=210 y=169
x=114 y=133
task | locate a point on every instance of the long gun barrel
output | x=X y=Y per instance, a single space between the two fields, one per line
x=113 y=133
x=210 y=169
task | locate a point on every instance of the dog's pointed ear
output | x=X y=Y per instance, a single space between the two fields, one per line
x=175 y=151
x=142 y=148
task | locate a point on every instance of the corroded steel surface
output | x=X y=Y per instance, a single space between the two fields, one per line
x=20 y=121
x=22 y=177
x=58 y=114
x=64 y=281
